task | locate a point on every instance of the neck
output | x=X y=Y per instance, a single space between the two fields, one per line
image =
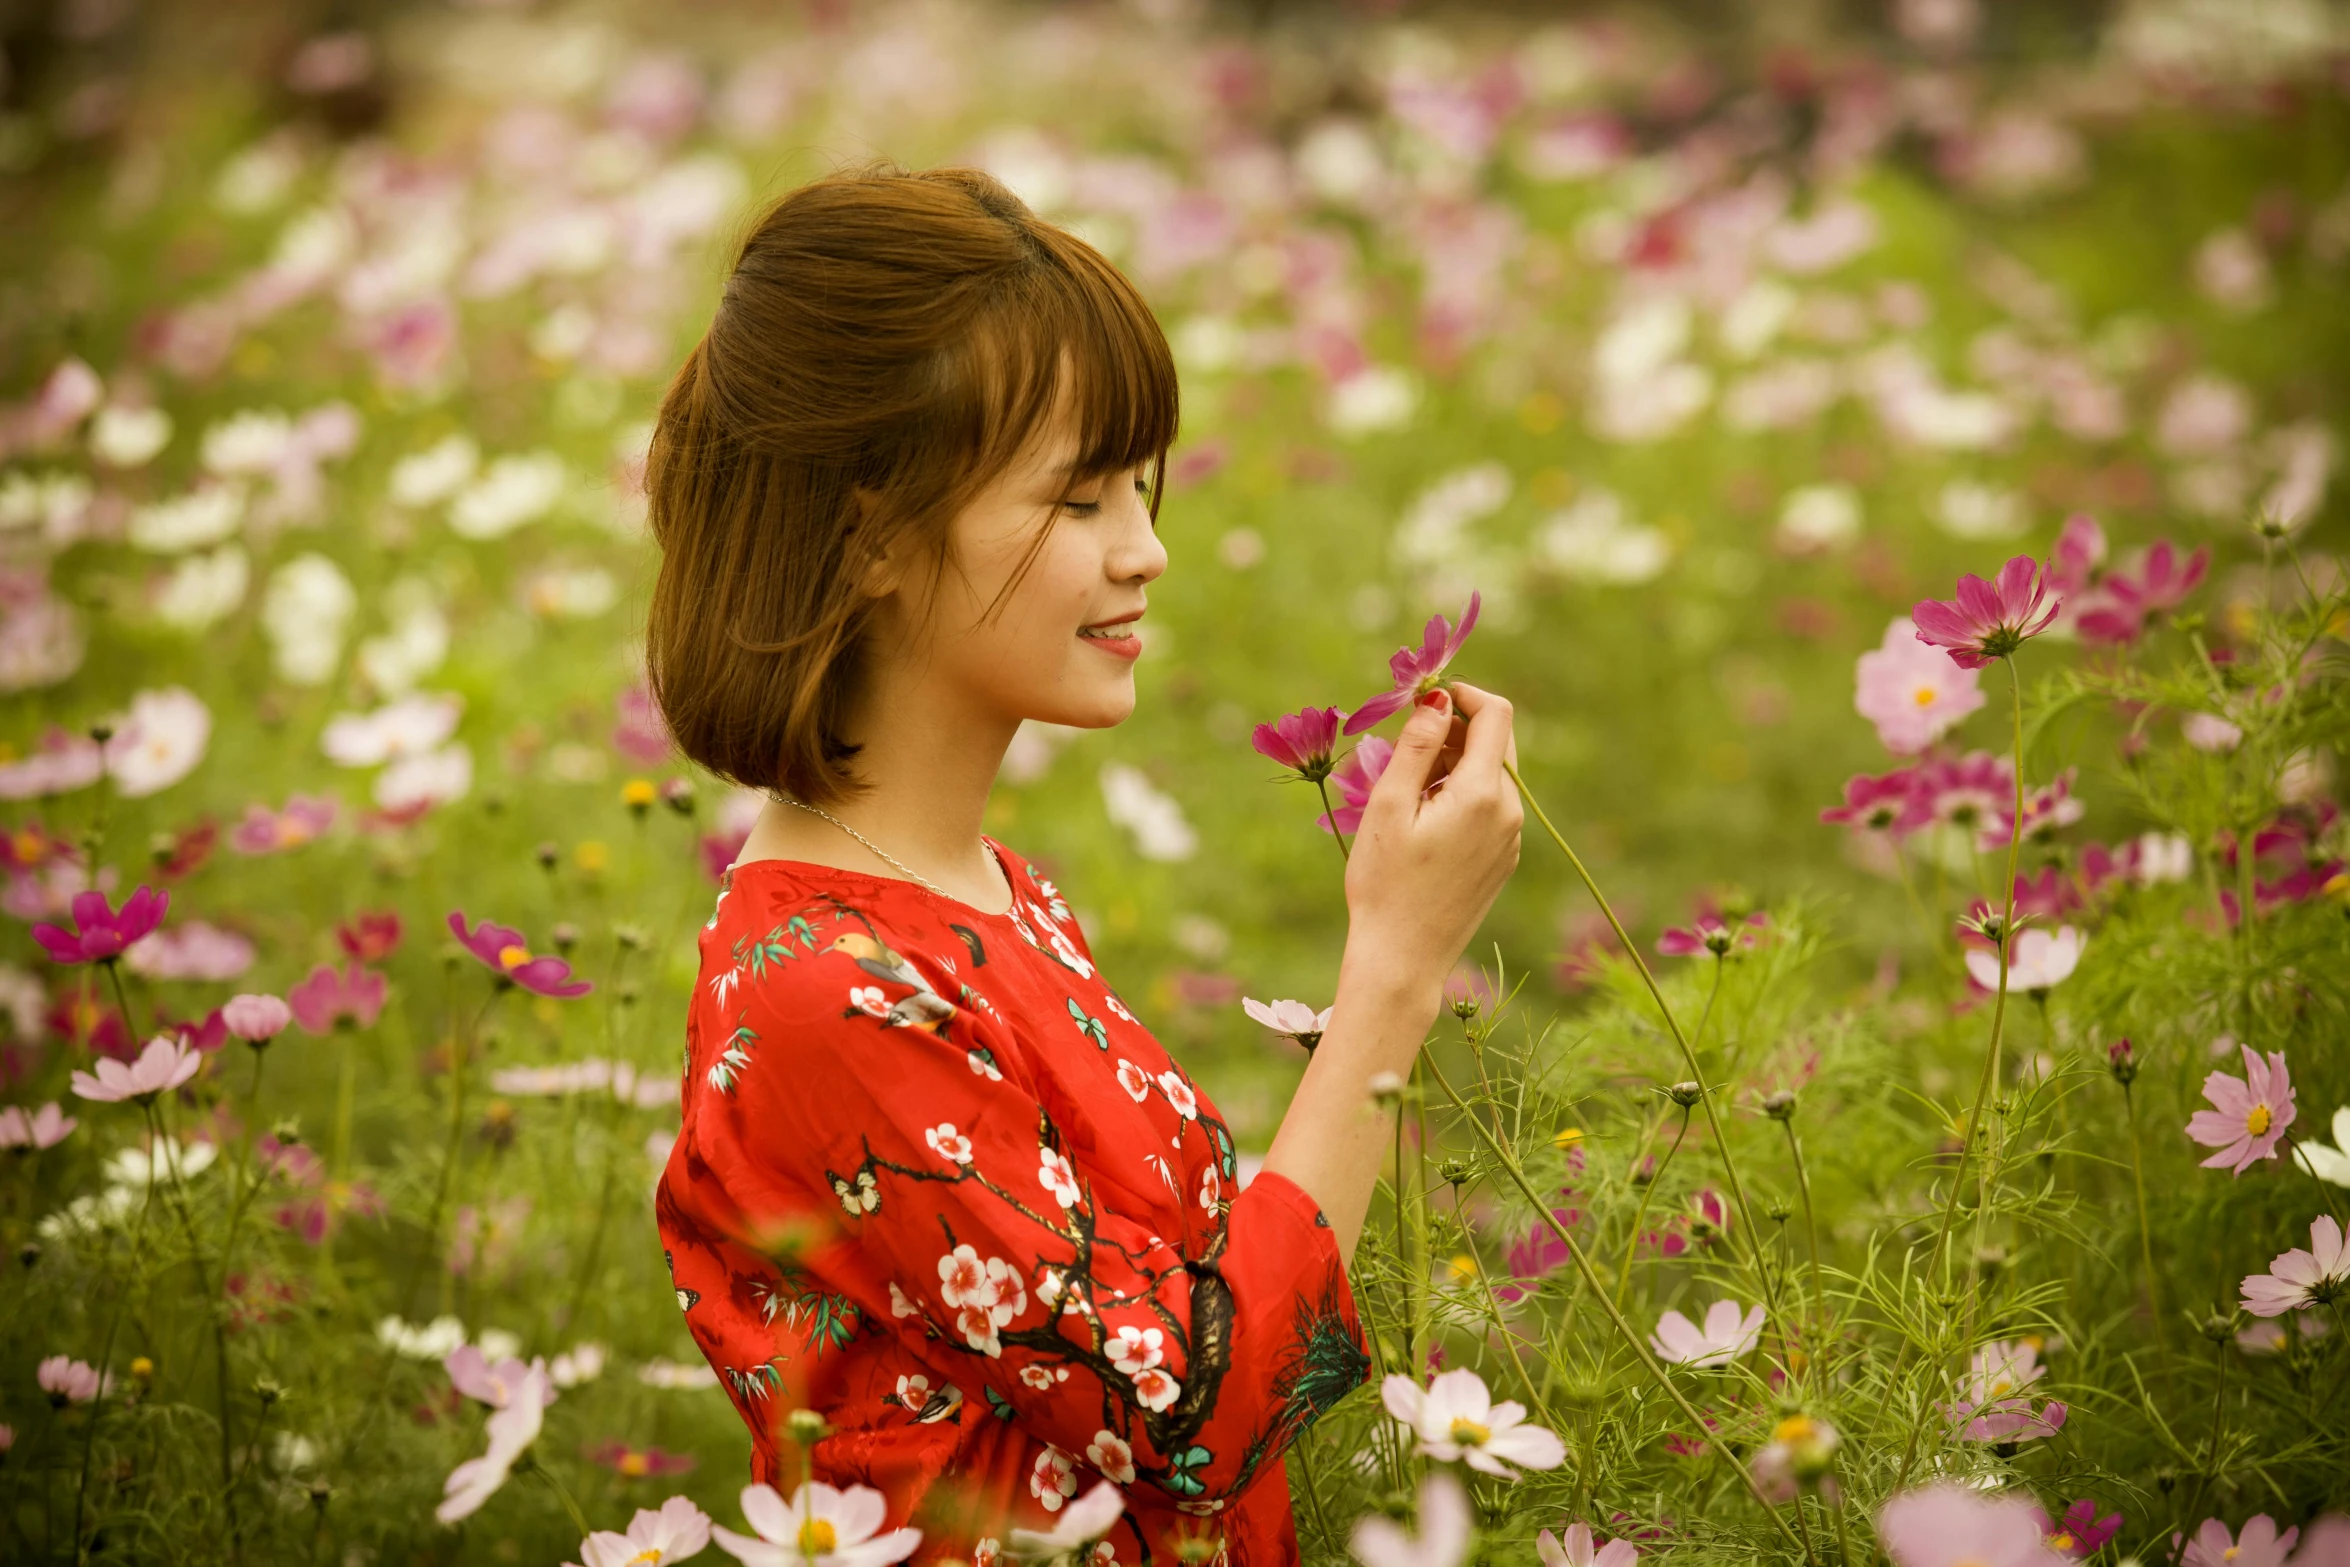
x=928 y=760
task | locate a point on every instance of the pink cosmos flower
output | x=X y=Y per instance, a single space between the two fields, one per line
x=501 y=950
x=678 y=1530
x=2080 y=1534
x=1946 y=1524
x=1725 y=1337
x=1290 y=1019
x=1993 y=1403
x=161 y=1067
x=637 y=1463
x=2248 y=1115
x=1893 y=804
x=68 y=1381
x=1417 y=670
x=1580 y=1549
x=1708 y=934
x=101 y=933
x=1355 y=778
x=371 y=935
x=1969 y=792
x=1446 y=1527
x=256 y=1019
x=195 y=950
x=2039 y=960
x=1914 y=694
x=42 y=1128
x=1456 y=1420
x=328 y=1000
x=2326 y=1543
x=2297 y=1278
x=2258 y=1546
x=496 y=1383
x=2046 y=808
x=1988 y=620
x=1302 y=742
x=1537 y=1254
x=2079 y=551
x=264 y=831
x=2129 y=596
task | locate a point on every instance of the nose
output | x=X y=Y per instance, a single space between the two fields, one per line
x=1137 y=555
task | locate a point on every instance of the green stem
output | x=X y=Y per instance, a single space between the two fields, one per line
x=579 y=1521
x=2146 y=1236
x=1323 y=788
x=1672 y=1024
x=1624 y=1329
x=1640 y=1212
x=1811 y=1224
x=81 y=1492
x=1509 y=1340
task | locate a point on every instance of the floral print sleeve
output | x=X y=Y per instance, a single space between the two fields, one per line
x=970 y=1158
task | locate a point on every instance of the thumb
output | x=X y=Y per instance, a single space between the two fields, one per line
x=1416 y=751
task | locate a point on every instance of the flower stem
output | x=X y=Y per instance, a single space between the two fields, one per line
x=1629 y=1334
x=578 y=1518
x=122 y=999
x=2146 y=1236
x=1322 y=788
x=81 y=1492
x=1811 y=1224
x=1672 y=1024
x=1640 y=1213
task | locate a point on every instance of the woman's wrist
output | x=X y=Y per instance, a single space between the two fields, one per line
x=1385 y=998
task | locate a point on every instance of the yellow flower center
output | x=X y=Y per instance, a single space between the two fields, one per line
x=635 y=1465
x=1568 y=1137
x=1464 y=1266
x=1470 y=1434
x=650 y=1556
x=2257 y=1122
x=1795 y=1428
x=1923 y=696
x=2229 y=1554
x=2060 y=1541
x=511 y=958
x=637 y=791
x=817 y=1537
x=292 y=833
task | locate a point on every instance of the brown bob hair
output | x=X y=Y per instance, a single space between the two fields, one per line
x=886 y=345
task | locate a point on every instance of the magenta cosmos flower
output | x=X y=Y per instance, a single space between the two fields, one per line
x=1302 y=742
x=2249 y=1114
x=1895 y=804
x=1946 y=1524
x=1994 y=1402
x=264 y=831
x=2258 y=1546
x=1989 y=620
x=502 y=950
x=2080 y=1533
x=1708 y=934
x=1418 y=670
x=328 y=1000
x=2297 y=1278
x=161 y=1067
x=101 y=932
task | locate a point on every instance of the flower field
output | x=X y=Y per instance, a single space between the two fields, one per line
x=1900 y=1110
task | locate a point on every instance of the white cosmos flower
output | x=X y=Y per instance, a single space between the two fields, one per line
x=1152 y=816
x=433 y=475
x=159 y=741
x=654 y=1539
x=200 y=518
x=511 y=1431
x=2210 y=732
x=1291 y=1019
x=516 y=489
x=1443 y=1540
x=205 y=589
x=1082 y=1522
x=130 y=1167
x=1457 y=1421
x=1378 y=397
x=2328 y=1164
x=2041 y=960
x=415 y=640
x=420 y=1341
x=306 y=611
x=255 y=440
x=2299 y=1279
x=578 y=1364
x=818 y=1527
x=412 y=726
x=129 y=437
x=1725 y=1336
x=437 y=778
x=1578 y=1549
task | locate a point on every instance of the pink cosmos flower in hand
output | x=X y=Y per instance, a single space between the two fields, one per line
x=2299 y=1279
x=2258 y=1546
x=1302 y=742
x=161 y=1067
x=102 y=932
x=1418 y=670
x=1988 y=620
x=1578 y=1549
x=2249 y=1114
x=1355 y=778
x=328 y=1000
x=502 y=951
x=1947 y=1524
x=2080 y=1533
x=1913 y=693
x=1725 y=1336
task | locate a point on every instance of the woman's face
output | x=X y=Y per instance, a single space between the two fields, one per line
x=1059 y=645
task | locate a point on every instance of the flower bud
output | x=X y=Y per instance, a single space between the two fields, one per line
x=806 y=1427
x=142 y=1369
x=631 y=938
x=678 y=795
x=2219 y=1327
x=1386 y=1089
x=102 y=731
x=549 y=855
x=1465 y=1006
x=29 y=1253
x=1779 y=1212
x=638 y=794
x=1780 y=1106
x=1454 y=1171
x=2122 y=1061
x=320 y=1494
x=268 y=1390
x=1684 y=1094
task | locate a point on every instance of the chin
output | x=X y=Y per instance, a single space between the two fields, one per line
x=1090 y=710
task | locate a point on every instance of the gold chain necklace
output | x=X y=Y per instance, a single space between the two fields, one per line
x=901 y=865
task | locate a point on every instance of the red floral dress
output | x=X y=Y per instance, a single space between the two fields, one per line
x=938 y=1184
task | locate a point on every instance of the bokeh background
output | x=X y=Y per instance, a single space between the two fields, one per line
x=1701 y=339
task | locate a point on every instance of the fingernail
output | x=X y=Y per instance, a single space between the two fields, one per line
x=1439 y=700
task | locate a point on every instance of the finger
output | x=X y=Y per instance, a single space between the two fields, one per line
x=1414 y=762
x=1490 y=741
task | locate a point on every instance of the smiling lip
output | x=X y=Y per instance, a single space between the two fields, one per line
x=1122 y=643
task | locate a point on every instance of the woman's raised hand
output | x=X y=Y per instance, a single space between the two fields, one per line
x=1439 y=837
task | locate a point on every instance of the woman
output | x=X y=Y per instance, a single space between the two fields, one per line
x=936 y=1182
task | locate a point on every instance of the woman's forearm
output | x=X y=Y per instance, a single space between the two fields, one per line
x=1333 y=1139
